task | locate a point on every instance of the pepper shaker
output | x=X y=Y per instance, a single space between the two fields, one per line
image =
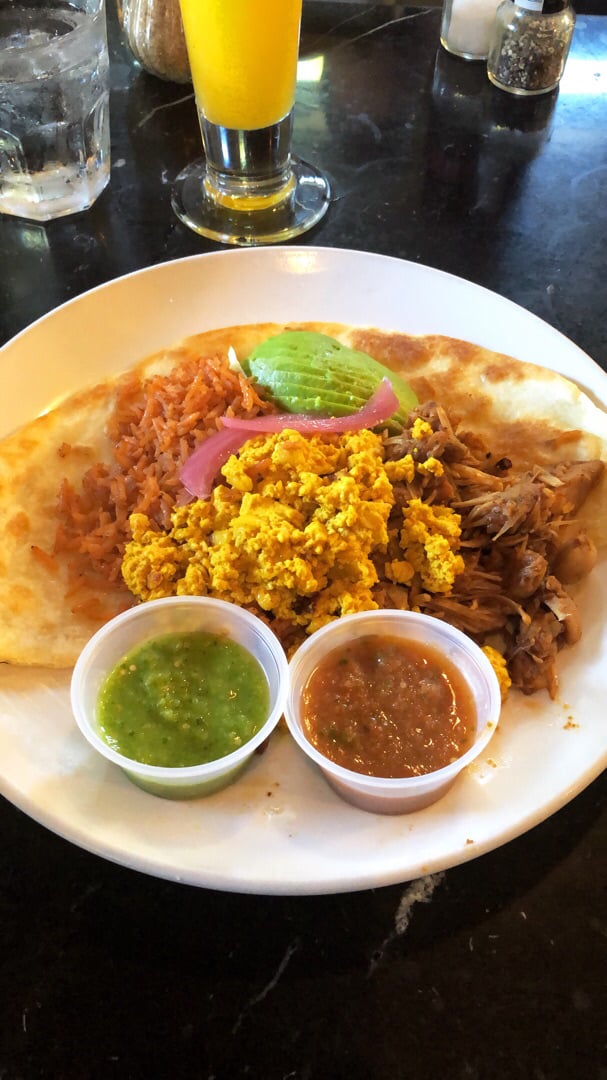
x=154 y=32
x=466 y=27
x=530 y=45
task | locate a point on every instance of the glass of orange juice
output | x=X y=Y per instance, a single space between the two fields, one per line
x=249 y=188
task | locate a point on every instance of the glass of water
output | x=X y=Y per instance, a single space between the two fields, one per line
x=249 y=189
x=54 y=107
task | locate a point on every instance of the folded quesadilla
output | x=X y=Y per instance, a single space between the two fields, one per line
x=521 y=449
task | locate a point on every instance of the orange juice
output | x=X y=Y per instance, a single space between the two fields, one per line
x=243 y=57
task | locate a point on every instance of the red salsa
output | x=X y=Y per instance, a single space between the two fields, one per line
x=385 y=706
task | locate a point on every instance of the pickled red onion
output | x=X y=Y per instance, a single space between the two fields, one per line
x=380 y=406
x=200 y=470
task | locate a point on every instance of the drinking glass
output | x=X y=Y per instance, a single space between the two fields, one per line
x=249 y=189
x=54 y=107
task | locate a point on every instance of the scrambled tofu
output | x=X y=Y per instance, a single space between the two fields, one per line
x=429 y=539
x=500 y=667
x=293 y=529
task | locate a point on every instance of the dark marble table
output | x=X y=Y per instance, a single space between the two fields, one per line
x=495 y=969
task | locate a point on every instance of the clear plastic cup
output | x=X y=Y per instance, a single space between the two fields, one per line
x=153 y=619
x=383 y=795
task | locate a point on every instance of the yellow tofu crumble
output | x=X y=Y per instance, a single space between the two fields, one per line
x=294 y=527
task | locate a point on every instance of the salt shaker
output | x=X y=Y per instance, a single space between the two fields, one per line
x=530 y=44
x=466 y=27
x=154 y=32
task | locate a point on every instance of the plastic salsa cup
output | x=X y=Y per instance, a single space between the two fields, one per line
x=403 y=794
x=153 y=619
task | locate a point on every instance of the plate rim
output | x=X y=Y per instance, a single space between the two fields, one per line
x=207 y=878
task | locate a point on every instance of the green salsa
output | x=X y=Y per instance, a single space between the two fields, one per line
x=183 y=699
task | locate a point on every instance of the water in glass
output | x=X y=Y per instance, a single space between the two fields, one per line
x=54 y=107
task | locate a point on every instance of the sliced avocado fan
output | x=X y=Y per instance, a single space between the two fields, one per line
x=302 y=371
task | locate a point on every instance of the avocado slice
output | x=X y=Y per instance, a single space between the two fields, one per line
x=320 y=378
x=304 y=371
x=284 y=376
x=310 y=402
x=285 y=384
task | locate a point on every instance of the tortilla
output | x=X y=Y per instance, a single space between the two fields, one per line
x=527 y=413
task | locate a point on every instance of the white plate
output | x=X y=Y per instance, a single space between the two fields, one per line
x=280 y=829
